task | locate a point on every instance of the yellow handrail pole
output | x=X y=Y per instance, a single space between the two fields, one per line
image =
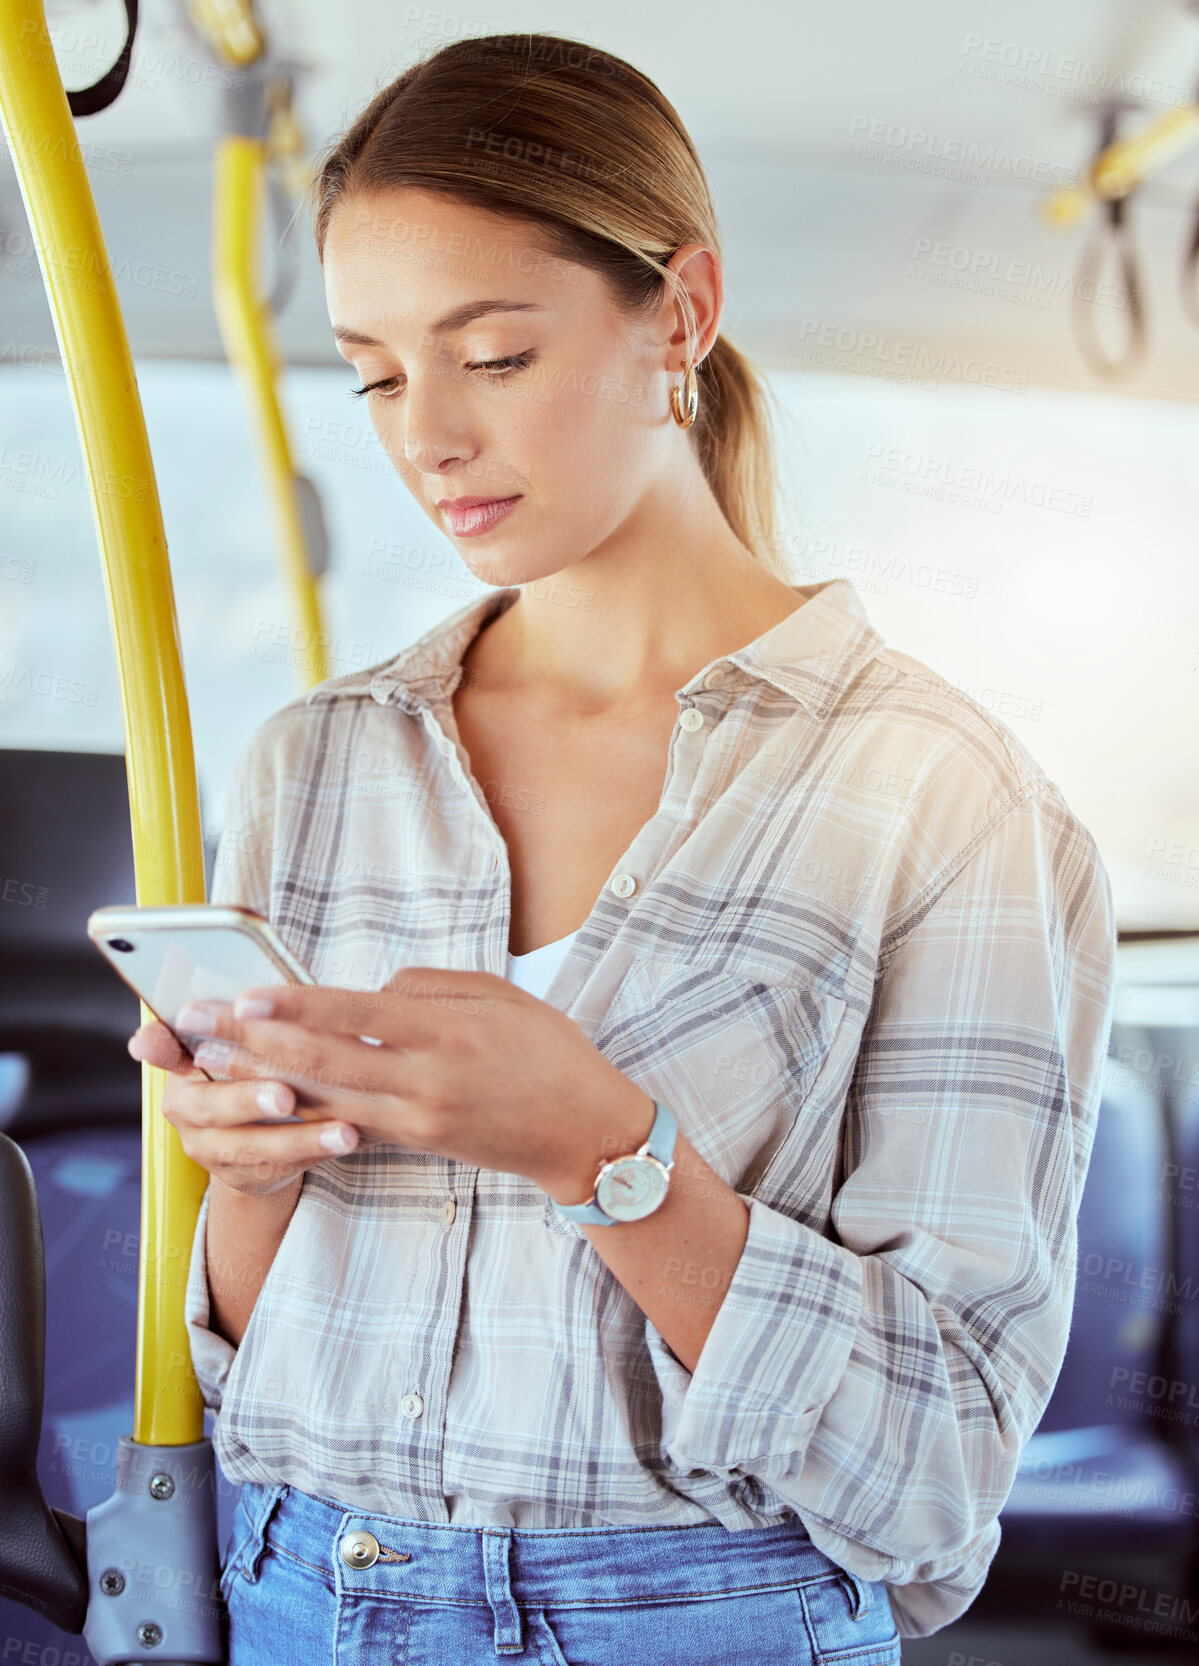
x=245 y=330
x=232 y=28
x=160 y=763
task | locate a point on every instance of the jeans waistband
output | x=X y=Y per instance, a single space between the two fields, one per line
x=565 y=1567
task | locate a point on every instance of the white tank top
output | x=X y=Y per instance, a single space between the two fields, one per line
x=535 y=970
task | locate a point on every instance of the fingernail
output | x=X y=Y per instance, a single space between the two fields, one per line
x=273 y=1099
x=337 y=1139
x=196 y=1019
x=134 y=1047
x=244 y=1007
x=215 y=1053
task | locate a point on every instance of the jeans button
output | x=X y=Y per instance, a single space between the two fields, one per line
x=359 y=1550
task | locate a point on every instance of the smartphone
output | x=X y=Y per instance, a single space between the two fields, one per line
x=194 y=952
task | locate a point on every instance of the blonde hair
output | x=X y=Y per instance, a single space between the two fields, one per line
x=556 y=132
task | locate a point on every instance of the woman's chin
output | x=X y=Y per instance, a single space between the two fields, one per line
x=501 y=571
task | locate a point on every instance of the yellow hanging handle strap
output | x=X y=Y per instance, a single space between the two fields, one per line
x=1124 y=164
x=163 y=801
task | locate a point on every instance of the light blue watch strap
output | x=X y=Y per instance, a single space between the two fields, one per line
x=660 y=1144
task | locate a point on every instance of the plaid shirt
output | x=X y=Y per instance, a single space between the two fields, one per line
x=868 y=960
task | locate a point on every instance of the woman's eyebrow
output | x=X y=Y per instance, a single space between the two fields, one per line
x=452 y=321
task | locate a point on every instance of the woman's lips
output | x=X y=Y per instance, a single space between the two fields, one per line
x=466 y=523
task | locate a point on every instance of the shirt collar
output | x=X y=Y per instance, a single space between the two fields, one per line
x=816 y=651
x=810 y=655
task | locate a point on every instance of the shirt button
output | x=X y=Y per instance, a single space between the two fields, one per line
x=360 y=1549
x=624 y=884
x=412 y=1405
x=692 y=718
x=448 y=1210
x=714 y=677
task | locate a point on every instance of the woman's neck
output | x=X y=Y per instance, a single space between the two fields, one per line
x=593 y=639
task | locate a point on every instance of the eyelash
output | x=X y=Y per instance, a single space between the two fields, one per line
x=517 y=361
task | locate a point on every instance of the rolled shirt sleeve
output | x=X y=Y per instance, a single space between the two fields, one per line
x=240 y=874
x=884 y=1384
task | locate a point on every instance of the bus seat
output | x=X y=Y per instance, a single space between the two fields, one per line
x=70 y=1096
x=88 y=1183
x=65 y=848
x=1121 y=1314
x=1175 y=1050
x=1103 y=1471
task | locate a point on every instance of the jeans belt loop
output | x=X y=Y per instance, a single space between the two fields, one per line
x=258 y=1543
x=858 y=1592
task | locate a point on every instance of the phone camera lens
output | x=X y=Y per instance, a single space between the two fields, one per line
x=120 y=944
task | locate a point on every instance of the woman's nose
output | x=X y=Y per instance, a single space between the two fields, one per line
x=431 y=435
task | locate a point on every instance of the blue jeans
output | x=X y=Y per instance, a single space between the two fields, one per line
x=418 y=1593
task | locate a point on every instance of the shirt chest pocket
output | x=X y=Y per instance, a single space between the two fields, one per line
x=735 y=1057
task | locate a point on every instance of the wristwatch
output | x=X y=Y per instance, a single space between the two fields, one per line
x=630 y=1188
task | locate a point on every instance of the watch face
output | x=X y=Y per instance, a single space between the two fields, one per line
x=632 y=1188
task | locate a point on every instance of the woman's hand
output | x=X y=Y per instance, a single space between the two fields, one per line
x=211 y=1118
x=467 y=1066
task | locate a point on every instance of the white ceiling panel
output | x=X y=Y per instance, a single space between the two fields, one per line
x=878 y=169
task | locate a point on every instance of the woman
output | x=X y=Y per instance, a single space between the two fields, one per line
x=650 y=859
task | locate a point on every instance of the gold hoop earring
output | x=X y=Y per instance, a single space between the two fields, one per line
x=676 y=408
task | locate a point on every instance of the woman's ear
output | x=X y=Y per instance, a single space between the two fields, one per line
x=699 y=272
